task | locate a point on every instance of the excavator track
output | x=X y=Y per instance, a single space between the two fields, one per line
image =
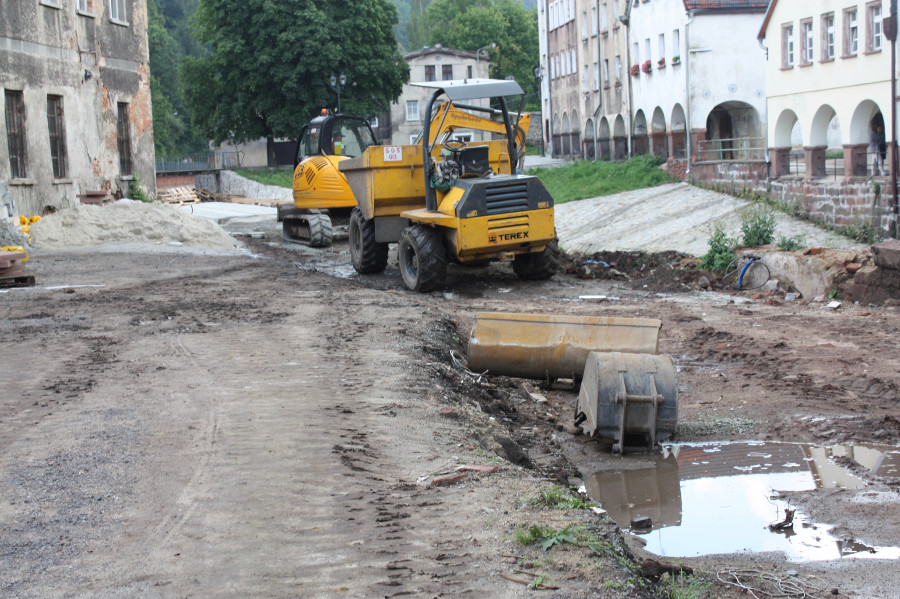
x=312 y=229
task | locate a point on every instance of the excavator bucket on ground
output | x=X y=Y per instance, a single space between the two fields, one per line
x=629 y=399
x=547 y=347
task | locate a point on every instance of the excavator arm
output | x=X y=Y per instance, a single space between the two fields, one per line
x=448 y=118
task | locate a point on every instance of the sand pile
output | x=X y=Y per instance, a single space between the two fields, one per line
x=86 y=225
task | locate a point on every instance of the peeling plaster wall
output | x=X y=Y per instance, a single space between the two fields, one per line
x=93 y=63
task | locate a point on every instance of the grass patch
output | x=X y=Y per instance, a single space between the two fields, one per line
x=588 y=179
x=281 y=177
x=557 y=497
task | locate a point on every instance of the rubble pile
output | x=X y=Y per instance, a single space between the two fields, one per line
x=877 y=283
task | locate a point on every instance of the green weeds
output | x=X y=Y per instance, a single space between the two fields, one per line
x=280 y=177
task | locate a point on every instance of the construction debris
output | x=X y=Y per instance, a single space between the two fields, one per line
x=178 y=195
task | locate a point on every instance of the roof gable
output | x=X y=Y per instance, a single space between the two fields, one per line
x=765 y=24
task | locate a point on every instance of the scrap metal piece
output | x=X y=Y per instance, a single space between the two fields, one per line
x=543 y=346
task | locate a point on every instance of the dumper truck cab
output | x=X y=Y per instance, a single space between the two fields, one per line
x=445 y=200
x=322 y=198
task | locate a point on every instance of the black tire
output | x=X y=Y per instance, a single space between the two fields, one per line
x=367 y=255
x=423 y=259
x=320 y=231
x=538 y=266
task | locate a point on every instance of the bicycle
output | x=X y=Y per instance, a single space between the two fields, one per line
x=746 y=273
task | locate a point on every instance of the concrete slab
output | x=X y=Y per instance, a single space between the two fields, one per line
x=677 y=217
x=223 y=211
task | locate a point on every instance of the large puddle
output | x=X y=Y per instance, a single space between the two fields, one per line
x=721 y=498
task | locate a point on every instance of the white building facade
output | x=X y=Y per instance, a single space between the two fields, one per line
x=828 y=82
x=698 y=79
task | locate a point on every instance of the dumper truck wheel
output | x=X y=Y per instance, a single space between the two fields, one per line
x=538 y=266
x=423 y=259
x=367 y=255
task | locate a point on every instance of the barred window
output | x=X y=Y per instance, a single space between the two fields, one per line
x=15 y=133
x=124 y=140
x=57 y=128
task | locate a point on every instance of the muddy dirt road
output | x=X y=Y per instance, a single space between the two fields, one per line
x=176 y=424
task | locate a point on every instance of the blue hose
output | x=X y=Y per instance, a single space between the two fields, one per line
x=743 y=270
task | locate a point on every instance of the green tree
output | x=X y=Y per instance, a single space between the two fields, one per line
x=473 y=24
x=418 y=30
x=270 y=64
x=171 y=117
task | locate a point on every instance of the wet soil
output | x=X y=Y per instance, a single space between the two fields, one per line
x=178 y=424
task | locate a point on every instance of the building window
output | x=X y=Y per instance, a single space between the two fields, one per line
x=873 y=17
x=51 y=3
x=469 y=72
x=584 y=25
x=573 y=65
x=615 y=13
x=605 y=71
x=676 y=44
x=412 y=110
x=447 y=72
x=84 y=6
x=806 y=42
x=604 y=18
x=429 y=72
x=787 y=46
x=593 y=20
x=851 y=33
x=828 y=36
x=618 y=68
x=662 y=45
x=636 y=52
x=596 y=75
x=124 y=139
x=57 y=128
x=117 y=12
x=15 y=133
x=647 y=53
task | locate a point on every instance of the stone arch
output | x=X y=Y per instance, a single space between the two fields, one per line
x=659 y=143
x=818 y=134
x=785 y=159
x=678 y=129
x=640 y=140
x=557 y=136
x=784 y=128
x=620 y=139
x=866 y=113
x=575 y=134
x=590 y=139
x=603 y=139
x=566 y=139
x=733 y=132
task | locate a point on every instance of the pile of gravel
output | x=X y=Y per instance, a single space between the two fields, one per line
x=127 y=221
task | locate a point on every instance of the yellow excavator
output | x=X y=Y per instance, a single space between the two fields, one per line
x=322 y=197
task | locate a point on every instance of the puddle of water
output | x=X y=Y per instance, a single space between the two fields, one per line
x=720 y=498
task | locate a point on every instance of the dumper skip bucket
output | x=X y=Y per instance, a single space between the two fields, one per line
x=541 y=346
x=628 y=399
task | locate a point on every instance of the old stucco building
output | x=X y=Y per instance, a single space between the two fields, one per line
x=76 y=99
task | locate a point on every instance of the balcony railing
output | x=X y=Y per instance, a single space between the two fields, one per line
x=200 y=161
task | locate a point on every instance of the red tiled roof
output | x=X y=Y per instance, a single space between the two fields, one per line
x=728 y=4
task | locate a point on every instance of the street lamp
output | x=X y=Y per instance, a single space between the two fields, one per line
x=338 y=85
x=538 y=78
x=478 y=57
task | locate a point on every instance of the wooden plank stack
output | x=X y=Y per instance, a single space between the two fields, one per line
x=178 y=195
x=12 y=270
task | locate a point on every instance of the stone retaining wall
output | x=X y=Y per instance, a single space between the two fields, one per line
x=846 y=203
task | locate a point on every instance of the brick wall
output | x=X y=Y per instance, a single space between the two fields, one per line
x=845 y=203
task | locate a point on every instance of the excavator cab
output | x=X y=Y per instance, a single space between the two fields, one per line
x=322 y=198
